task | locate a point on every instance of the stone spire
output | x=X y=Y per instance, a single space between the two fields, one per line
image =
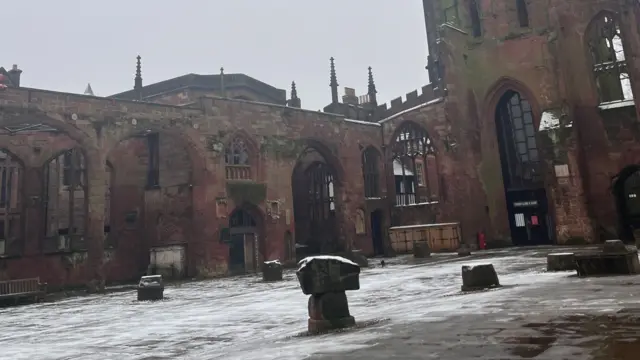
x=137 y=85
x=333 y=82
x=372 y=89
x=295 y=100
x=223 y=91
x=89 y=90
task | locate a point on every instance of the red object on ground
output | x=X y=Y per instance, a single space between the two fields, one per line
x=482 y=242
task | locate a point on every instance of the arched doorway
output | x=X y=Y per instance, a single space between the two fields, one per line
x=521 y=171
x=377 y=234
x=314 y=204
x=243 y=243
x=626 y=190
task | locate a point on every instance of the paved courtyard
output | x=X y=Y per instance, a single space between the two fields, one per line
x=406 y=310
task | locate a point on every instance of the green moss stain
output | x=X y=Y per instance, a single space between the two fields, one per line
x=282 y=147
x=246 y=192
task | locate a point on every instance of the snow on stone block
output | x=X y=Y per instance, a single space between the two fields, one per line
x=561 y=262
x=151 y=288
x=479 y=277
x=614 y=246
x=325 y=273
x=272 y=270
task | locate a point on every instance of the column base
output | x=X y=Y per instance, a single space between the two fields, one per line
x=321 y=326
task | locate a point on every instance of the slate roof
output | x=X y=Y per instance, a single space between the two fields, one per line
x=207 y=82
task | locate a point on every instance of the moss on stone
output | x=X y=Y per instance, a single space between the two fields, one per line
x=282 y=147
x=246 y=192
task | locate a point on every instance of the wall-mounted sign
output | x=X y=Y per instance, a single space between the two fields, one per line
x=530 y=203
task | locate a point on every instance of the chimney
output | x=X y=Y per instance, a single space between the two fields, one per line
x=14 y=75
x=350 y=96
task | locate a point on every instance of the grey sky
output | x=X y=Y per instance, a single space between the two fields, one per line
x=64 y=44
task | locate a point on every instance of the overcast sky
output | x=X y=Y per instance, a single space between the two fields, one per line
x=65 y=44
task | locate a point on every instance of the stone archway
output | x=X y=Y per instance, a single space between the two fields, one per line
x=15 y=121
x=316 y=187
x=153 y=190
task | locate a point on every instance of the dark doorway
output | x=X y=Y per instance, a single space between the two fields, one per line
x=377 y=224
x=521 y=171
x=626 y=190
x=243 y=244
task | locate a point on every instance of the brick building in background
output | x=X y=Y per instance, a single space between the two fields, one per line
x=528 y=132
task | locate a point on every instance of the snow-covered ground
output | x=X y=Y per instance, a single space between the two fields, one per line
x=244 y=318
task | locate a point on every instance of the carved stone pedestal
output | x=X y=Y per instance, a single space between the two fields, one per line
x=272 y=271
x=326 y=278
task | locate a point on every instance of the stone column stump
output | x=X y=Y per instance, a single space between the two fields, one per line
x=151 y=288
x=561 y=262
x=464 y=250
x=421 y=250
x=614 y=259
x=479 y=277
x=272 y=271
x=326 y=279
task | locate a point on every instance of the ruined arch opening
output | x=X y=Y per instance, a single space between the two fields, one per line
x=626 y=192
x=151 y=202
x=414 y=166
x=522 y=170
x=11 y=204
x=315 y=188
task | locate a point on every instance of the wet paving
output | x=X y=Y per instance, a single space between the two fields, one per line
x=406 y=310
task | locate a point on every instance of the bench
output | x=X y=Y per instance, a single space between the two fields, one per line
x=16 y=290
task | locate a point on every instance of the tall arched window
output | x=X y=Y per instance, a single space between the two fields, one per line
x=474 y=15
x=412 y=151
x=523 y=13
x=237 y=160
x=65 y=189
x=605 y=43
x=370 y=161
x=518 y=146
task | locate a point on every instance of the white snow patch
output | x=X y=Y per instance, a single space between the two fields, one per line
x=277 y=262
x=308 y=259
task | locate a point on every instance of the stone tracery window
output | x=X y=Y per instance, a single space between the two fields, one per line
x=413 y=145
x=65 y=203
x=370 y=160
x=237 y=160
x=605 y=43
x=10 y=203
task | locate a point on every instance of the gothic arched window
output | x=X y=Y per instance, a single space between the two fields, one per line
x=237 y=160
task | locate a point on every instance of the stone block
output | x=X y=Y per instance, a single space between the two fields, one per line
x=607 y=263
x=272 y=270
x=325 y=273
x=561 y=262
x=151 y=288
x=464 y=251
x=329 y=311
x=479 y=277
x=614 y=246
x=421 y=249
